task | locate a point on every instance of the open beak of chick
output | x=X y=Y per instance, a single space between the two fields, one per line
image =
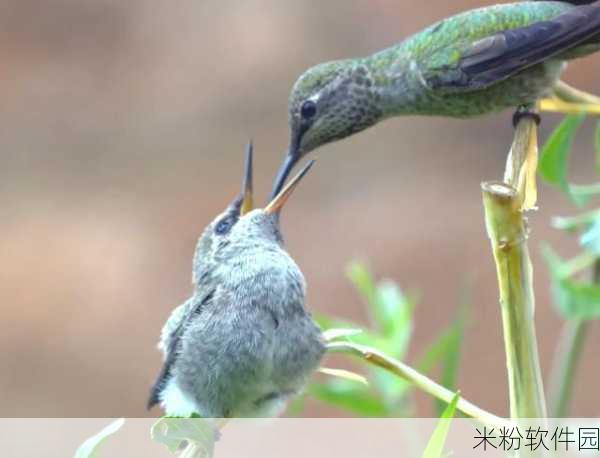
x=247 y=204
x=274 y=207
x=281 y=198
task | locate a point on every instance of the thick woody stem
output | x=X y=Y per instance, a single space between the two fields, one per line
x=507 y=231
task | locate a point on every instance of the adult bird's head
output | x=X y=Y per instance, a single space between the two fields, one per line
x=328 y=102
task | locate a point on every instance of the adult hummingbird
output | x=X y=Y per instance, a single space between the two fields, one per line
x=477 y=62
x=243 y=343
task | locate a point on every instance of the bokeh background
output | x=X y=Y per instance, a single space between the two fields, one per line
x=122 y=127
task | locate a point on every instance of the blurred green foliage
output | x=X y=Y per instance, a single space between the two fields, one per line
x=574 y=297
x=553 y=165
x=392 y=323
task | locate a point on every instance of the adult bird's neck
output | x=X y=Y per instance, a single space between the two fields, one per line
x=396 y=79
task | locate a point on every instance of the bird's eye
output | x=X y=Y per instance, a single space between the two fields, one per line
x=223 y=226
x=308 y=109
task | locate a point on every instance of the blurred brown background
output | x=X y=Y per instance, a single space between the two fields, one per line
x=122 y=126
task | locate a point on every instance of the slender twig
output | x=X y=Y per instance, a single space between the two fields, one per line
x=568 y=100
x=567 y=358
x=419 y=380
x=572 y=95
x=578 y=263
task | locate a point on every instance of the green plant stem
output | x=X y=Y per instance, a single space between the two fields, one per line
x=567 y=359
x=569 y=94
x=396 y=367
x=507 y=231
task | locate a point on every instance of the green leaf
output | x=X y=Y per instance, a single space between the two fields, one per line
x=365 y=337
x=577 y=299
x=393 y=312
x=573 y=299
x=576 y=223
x=583 y=194
x=89 y=449
x=392 y=387
x=344 y=374
x=363 y=281
x=435 y=446
x=350 y=396
x=445 y=350
x=553 y=164
x=177 y=433
x=435 y=352
x=392 y=309
x=590 y=239
x=451 y=362
x=340 y=333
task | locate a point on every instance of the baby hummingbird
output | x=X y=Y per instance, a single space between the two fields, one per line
x=243 y=343
x=477 y=62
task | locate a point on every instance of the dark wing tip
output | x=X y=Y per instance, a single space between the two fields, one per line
x=155 y=391
x=152 y=401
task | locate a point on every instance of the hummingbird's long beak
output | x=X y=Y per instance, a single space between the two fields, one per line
x=279 y=201
x=291 y=159
x=286 y=167
x=247 y=199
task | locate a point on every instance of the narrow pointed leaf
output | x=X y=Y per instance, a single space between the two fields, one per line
x=89 y=449
x=363 y=281
x=451 y=362
x=445 y=352
x=344 y=374
x=340 y=333
x=364 y=337
x=392 y=310
x=435 y=446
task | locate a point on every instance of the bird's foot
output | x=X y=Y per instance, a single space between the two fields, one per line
x=525 y=112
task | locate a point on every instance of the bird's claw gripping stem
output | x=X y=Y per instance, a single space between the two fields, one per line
x=525 y=112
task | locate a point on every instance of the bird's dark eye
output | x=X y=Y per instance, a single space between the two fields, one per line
x=308 y=109
x=224 y=226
